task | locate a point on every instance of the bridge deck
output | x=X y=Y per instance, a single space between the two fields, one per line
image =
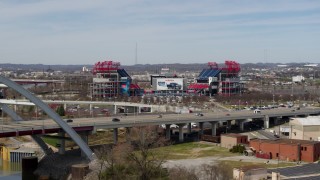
x=130 y=121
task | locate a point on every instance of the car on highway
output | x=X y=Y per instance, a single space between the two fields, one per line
x=69 y=120
x=257 y=111
x=199 y=114
x=159 y=116
x=115 y=119
x=227 y=114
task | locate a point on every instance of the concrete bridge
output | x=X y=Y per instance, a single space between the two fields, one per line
x=134 y=107
x=86 y=126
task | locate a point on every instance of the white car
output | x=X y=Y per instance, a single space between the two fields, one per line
x=256 y=111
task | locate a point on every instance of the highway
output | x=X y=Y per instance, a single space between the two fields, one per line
x=131 y=121
x=28 y=103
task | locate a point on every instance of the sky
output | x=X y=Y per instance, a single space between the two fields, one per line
x=163 y=31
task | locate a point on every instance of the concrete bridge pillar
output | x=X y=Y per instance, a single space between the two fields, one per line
x=266 y=121
x=189 y=128
x=181 y=132
x=90 y=109
x=115 y=135
x=139 y=110
x=84 y=137
x=115 y=109
x=62 y=148
x=241 y=125
x=276 y=120
x=229 y=124
x=168 y=131
x=213 y=128
x=128 y=133
x=65 y=106
x=201 y=128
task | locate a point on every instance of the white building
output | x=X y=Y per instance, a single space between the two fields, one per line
x=307 y=128
x=297 y=79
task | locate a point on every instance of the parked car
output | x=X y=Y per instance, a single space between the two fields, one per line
x=115 y=119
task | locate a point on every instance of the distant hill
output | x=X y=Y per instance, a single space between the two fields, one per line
x=151 y=68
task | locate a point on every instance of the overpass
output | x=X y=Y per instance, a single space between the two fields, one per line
x=91 y=104
x=20 y=128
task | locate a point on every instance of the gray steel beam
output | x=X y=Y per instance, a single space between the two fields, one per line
x=83 y=146
x=46 y=149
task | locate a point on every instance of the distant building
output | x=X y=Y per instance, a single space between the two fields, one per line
x=307 y=128
x=85 y=69
x=250 y=173
x=298 y=79
x=282 y=65
x=111 y=81
x=230 y=140
x=311 y=65
x=216 y=80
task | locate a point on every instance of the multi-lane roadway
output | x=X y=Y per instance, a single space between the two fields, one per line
x=153 y=119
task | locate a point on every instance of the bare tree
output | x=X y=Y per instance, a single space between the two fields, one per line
x=148 y=162
x=135 y=160
x=220 y=171
x=179 y=172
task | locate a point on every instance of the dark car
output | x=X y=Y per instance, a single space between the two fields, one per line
x=115 y=119
x=174 y=86
x=227 y=114
x=69 y=120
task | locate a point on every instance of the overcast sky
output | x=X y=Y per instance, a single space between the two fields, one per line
x=166 y=31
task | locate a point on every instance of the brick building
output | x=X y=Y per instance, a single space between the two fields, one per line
x=230 y=140
x=287 y=149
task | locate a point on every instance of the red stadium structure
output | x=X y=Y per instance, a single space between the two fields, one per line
x=105 y=66
x=214 y=80
x=112 y=81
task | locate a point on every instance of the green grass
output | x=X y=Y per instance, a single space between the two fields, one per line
x=193 y=150
x=50 y=141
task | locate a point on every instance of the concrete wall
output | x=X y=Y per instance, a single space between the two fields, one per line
x=228 y=142
x=259 y=173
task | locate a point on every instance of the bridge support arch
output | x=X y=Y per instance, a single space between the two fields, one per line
x=75 y=137
x=46 y=149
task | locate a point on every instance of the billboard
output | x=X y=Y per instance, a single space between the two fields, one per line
x=169 y=84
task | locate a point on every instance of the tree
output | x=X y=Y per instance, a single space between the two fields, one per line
x=60 y=110
x=220 y=171
x=148 y=162
x=135 y=160
x=179 y=172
